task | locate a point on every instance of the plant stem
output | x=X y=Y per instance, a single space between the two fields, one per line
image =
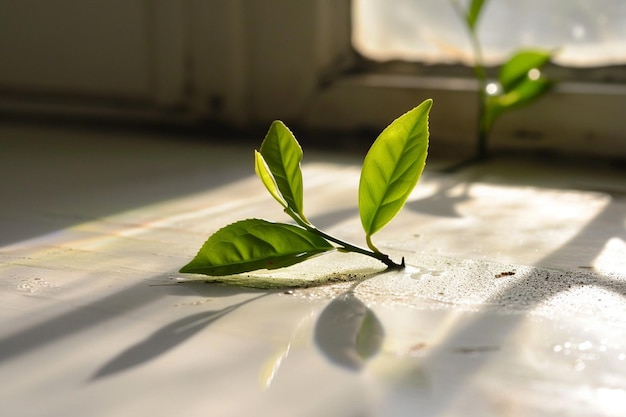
x=352 y=248
x=482 y=130
x=481 y=76
x=345 y=245
x=370 y=244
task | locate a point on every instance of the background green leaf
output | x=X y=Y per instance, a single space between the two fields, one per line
x=252 y=244
x=473 y=12
x=283 y=154
x=392 y=167
x=515 y=70
x=522 y=94
x=518 y=88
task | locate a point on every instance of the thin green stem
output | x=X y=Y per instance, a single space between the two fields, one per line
x=352 y=248
x=482 y=128
x=370 y=244
x=345 y=246
x=481 y=76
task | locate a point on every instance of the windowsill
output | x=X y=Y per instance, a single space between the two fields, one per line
x=583 y=119
x=464 y=84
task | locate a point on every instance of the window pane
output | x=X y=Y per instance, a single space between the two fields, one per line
x=586 y=32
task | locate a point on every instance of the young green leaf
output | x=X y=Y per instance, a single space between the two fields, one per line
x=516 y=69
x=282 y=154
x=263 y=172
x=523 y=93
x=474 y=12
x=392 y=167
x=252 y=244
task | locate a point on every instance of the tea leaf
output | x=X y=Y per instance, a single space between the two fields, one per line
x=282 y=154
x=474 y=12
x=252 y=244
x=516 y=69
x=523 y=93
x=263 y=172
x=392 y=168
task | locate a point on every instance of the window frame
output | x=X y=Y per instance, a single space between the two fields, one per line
x=582 y=115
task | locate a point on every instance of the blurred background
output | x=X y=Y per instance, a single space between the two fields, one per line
x=323 y=66
x=585 y=33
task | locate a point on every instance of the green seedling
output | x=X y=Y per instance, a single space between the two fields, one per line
x=520 y=80
x=391 y=169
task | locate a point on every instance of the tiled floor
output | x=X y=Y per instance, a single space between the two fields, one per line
x=512 y=303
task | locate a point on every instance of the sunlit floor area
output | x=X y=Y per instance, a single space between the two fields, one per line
x=513 y=301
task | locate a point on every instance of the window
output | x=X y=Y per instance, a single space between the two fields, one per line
x=582 y=115
x=586 y=32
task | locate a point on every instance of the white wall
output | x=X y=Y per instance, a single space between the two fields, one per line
x=237 y=61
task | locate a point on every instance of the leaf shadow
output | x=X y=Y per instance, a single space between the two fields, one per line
x=78 y=319
x=165 y=339
x=444 y=201
x=348 y=332
x=525 y=293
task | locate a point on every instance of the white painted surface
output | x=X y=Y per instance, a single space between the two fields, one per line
x=95 y=320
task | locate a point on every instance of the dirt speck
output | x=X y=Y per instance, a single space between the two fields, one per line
x=505 y=274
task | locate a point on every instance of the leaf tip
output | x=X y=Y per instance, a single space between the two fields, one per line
x=426 y=105
x=185 y=269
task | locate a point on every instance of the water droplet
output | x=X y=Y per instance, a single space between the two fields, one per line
x=534 y=74
x=421 y=272
x=493 y=89
x=586 y=345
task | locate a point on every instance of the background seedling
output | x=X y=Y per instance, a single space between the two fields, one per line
x=520 y=80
